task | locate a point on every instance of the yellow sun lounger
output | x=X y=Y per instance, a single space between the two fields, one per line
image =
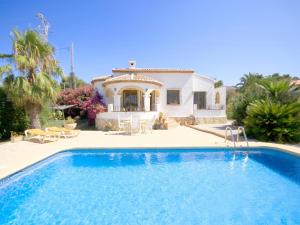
x=63 y=132
x=41 y=135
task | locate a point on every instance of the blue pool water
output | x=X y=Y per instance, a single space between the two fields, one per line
x=187 y=186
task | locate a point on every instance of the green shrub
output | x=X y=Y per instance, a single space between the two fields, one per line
x=246 y=91
x=271 y=121
x=268 y=107
x=237 y=109
x=281 y=91
x=12 y=118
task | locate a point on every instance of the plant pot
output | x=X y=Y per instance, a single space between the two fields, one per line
x=70 y=126
x=16 y=138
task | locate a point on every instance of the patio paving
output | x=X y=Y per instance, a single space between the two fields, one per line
x=16 y=156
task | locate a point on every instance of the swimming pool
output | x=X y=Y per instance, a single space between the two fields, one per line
x=161 y=186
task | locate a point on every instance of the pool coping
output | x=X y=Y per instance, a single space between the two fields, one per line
x=154 y=149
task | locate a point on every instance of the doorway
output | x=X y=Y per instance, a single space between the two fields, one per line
x=200 y=99
x=130 y=100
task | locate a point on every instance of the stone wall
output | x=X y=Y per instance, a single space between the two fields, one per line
x=106 y=124
x=211 y=120
x=200 y=120
x=109 y=124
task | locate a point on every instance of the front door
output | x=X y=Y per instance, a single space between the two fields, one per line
x=200 y=99
x=130 y=100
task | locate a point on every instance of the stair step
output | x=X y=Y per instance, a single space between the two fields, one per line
x=171 y=123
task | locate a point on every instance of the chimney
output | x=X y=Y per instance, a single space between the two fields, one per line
x=132 y=64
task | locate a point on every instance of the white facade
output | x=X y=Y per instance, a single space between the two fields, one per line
x=139 y=90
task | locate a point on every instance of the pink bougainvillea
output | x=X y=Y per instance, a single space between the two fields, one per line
x=88 y=102
x=93 y=106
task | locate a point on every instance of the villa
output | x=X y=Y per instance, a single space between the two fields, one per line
x=144 y=92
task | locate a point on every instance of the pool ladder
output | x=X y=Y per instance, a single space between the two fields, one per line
x=239 y=129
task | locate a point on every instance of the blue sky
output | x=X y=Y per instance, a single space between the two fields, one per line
x=223 y=39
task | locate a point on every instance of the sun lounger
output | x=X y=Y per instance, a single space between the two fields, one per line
x=63 y=132
x=41 y=135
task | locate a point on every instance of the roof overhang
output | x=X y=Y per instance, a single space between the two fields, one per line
x=102 y=78
x=131 y=78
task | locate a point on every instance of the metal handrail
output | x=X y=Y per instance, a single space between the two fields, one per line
x=244 y=133
x=232 y=137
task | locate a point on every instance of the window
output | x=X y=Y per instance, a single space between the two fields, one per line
x=217 y=98
x=173 y=97
x=200 y=99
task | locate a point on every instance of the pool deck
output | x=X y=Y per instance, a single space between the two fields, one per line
x=16 y=156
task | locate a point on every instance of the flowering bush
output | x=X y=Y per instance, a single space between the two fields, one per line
x=88 y=102
x=93 y=106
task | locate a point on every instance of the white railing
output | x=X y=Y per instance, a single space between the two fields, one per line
x=114 y=108
x=210 y=113
x=216 y=107
x=238 y=131
x=232 y=137
x=124 y=115
x=244 y=133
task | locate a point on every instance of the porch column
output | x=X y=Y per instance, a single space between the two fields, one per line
x=157 y=104
x=147 y=102
x=117 y=102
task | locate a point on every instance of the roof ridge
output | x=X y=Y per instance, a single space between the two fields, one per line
x=153 y=70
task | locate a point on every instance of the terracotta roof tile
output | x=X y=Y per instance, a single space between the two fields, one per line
x=131 y=78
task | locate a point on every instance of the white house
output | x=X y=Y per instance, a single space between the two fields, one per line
x=144 y=92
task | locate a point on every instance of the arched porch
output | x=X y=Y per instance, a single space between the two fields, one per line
x=138 y=100
x=129 y=96
x=132 y=93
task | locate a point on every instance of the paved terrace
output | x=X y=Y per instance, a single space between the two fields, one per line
x=16 y=156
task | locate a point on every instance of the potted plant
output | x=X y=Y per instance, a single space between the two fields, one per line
x=160 y=123
x=14 y=136
x=70 y=123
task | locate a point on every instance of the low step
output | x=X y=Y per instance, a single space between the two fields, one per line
x=172 y=123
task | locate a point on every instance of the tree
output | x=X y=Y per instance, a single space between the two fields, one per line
x=87 y=102
x=33 y=60
x=275 y=117
x=12 y=118
x=282 y=91
x=287 y=77
x=219 y=83
x=254 y=86
x=67 y=82
x=248 y=82
x=247 y=91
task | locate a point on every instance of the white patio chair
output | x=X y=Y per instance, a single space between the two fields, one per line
x=121 y=124
x=147 y=125
x=127 y=123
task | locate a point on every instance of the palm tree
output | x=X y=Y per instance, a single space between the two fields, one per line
x=282 y=91
x=33 y=60
x=273 y=121
x=248 y=82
